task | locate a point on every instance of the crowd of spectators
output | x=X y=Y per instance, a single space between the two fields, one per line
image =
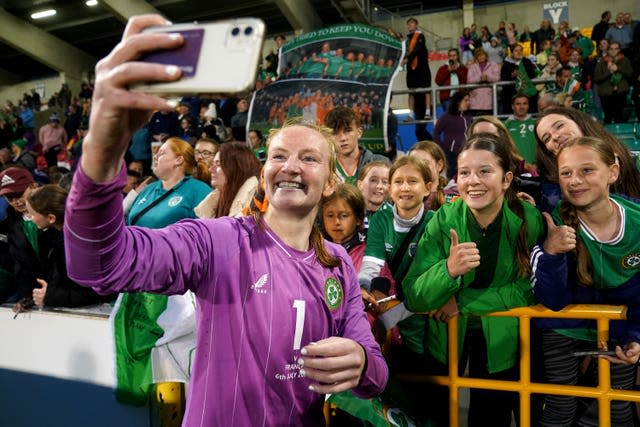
x=603 y=67
x=203 y=153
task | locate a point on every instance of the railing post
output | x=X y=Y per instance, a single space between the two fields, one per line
x=604 y=377
x=525 y=370
x=452 y=331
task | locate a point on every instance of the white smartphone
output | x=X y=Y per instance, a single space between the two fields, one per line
x=216 y=57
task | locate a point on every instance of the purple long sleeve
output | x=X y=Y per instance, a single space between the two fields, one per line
x=258 y=303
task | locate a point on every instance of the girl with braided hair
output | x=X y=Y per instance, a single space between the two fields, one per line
x=590 y=256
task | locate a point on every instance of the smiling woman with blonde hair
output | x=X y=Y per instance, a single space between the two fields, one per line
x=276 y=321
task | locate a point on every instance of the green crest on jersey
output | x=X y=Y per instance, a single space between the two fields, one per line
x=631 y=261
x=333 y=293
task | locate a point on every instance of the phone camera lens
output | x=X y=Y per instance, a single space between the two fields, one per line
x=235 y=31
x=248 y=31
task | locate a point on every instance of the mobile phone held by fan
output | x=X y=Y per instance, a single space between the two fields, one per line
x=216 y=57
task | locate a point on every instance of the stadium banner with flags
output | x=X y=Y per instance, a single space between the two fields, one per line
x=350 y=65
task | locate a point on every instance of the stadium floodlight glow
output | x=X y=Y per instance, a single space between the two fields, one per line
x=91 y=2
x=43 y=14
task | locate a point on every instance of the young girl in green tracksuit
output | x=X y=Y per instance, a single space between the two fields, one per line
x=389 y=229
x=471 y=260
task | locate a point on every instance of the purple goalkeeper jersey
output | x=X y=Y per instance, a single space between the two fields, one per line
x=259 y=303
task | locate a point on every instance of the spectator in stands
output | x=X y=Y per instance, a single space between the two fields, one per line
x=612 y=75
x=526 y=35
x=205 y=151
x=542 y=57
x=453 y=73
x=467 y=46
x=450 y=130
x=342 y=215
x=621 y=33
x=272 y=58
x=373 y=182
x=35 y=96
x=211 y=126
x=86 y=92
x=234 y=178
x=21 y=235
x=520 y=125
x=26 y=114
x=72 y=120
x=485 y=36
x=512 y=34
x=418 y=71
x=545 y=32
x=568 y=46
x=392 y=235
x=565 y=83
x=549 y=72
x=6 y=158
x=347 y=131
x=495 y=51
x=482 y=71
x=554 y=128
x=584 y=44
x=184 y=110
x=494 y=126
x=433 y=156
x=239 y=120
x=462 y=242
x=21 y=156
x=256 y=143
x=53 y=139
x=521 y=70
x=600 y=29
x=163 y=124
x=585 y=259
x=45 y=208
x=501 y=34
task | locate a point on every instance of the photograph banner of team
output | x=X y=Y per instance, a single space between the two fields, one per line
x=349 y=65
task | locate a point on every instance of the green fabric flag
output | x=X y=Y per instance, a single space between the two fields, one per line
x=136 y=331
x=372 y=410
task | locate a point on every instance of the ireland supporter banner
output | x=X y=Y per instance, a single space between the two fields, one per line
x=349 y=65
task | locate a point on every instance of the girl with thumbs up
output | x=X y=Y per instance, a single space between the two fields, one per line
x=590 y=256
x=473 y=259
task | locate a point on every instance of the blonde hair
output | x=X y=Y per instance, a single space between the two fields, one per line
x=316 y=237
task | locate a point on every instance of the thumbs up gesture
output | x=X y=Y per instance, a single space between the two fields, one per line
x=560 y=238
x=463 y=257
x=39 y=294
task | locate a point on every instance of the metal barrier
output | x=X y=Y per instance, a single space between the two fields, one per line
x=603 y=392
x=435 y=89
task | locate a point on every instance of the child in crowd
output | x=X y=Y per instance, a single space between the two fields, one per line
x=347 y=131
x=433 y=156
x=45 y=208
x=373 y=182
x=589 y=257
x=473 y=259
x=392 y=238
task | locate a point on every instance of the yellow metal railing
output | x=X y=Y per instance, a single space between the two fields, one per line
x=603 y=392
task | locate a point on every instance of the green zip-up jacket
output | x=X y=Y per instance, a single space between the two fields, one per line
x=428 y=285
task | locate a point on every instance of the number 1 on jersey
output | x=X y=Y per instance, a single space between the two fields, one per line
x=299 y=305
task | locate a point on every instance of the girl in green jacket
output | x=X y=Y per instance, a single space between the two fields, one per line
x=473 y=259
